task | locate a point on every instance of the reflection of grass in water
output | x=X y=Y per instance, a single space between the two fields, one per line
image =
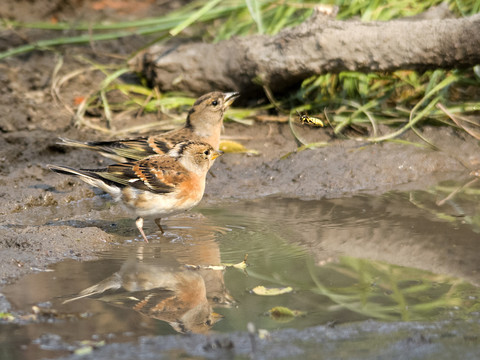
x=388 y=292
x=348 y=290
x=374 y=289
x=451 y=203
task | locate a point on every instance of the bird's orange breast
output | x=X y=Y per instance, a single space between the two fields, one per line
x=191 y=189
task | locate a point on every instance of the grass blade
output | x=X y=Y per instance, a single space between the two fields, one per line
x=194 y=17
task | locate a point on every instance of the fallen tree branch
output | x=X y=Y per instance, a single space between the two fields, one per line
x=317 y=46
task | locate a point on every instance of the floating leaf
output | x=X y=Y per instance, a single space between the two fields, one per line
x=229 y=146
x=264 y=291
x=241 y=265
x=205 y=267
x=281 y=313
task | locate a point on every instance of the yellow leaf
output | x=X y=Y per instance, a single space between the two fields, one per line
x=241 y=265
x=262 y=290
x=284 y=313
x=264 y=334
x=229 y=146
x=205 y=267
x=6 y=316
x=84 y=350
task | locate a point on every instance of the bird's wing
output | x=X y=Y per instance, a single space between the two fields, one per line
x=157 y=174
x=129 y=149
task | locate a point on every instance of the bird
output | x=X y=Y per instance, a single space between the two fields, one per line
x=156 y=186
x=163 y=290
x=204 y=123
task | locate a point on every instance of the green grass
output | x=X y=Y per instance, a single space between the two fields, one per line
x=388 y=292
x=403 y=100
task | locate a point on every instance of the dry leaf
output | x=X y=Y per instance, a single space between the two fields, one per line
x=241 y=265
x=262 y=290
x=282 y=313
x=229 y=146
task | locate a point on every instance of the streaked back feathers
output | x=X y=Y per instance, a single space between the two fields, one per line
x=204 y=123
x=156 y=173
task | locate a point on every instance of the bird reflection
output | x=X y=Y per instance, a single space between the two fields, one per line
x=157 y=284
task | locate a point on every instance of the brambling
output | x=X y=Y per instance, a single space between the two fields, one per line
x=159 y=185
x=166 y=292
x=204 y=123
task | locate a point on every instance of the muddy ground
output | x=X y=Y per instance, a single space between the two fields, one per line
x=46 y=217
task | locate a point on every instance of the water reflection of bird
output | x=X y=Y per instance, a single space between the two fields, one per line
x=198 y=247
x=204 y=123
x=166 y=292
x=159 y=185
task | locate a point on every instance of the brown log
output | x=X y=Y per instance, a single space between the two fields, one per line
x=317 y=46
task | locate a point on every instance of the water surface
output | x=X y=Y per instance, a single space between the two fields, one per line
x=392 y=257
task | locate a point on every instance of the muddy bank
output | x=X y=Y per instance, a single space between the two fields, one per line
x=439 y=340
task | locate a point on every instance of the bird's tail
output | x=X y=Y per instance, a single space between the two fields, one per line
x=108 y=149
x=76 y=143
x=113 y=282
x=91 y=177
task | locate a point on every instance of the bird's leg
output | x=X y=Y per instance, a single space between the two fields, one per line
x=139 y=223
x=157 y=221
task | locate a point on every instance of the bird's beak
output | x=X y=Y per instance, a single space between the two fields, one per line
x=216 y=317
x=216 y=154
x=230 y=98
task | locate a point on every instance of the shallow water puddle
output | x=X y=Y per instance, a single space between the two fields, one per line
x=393 y=257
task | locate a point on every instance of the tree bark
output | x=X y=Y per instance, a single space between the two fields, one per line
x=317 y=46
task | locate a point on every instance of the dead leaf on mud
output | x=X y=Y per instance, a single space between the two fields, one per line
x=7 y=317
x=229 y=146
x=87 y=346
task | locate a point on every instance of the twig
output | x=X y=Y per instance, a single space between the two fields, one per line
x=453 y=193
x=476 y=135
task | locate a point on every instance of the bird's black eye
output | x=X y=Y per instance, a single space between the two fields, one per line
x=207 y=152
x=208 y=322
x=214 y=102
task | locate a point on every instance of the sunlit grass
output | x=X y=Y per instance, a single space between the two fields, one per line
x=403 y=100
